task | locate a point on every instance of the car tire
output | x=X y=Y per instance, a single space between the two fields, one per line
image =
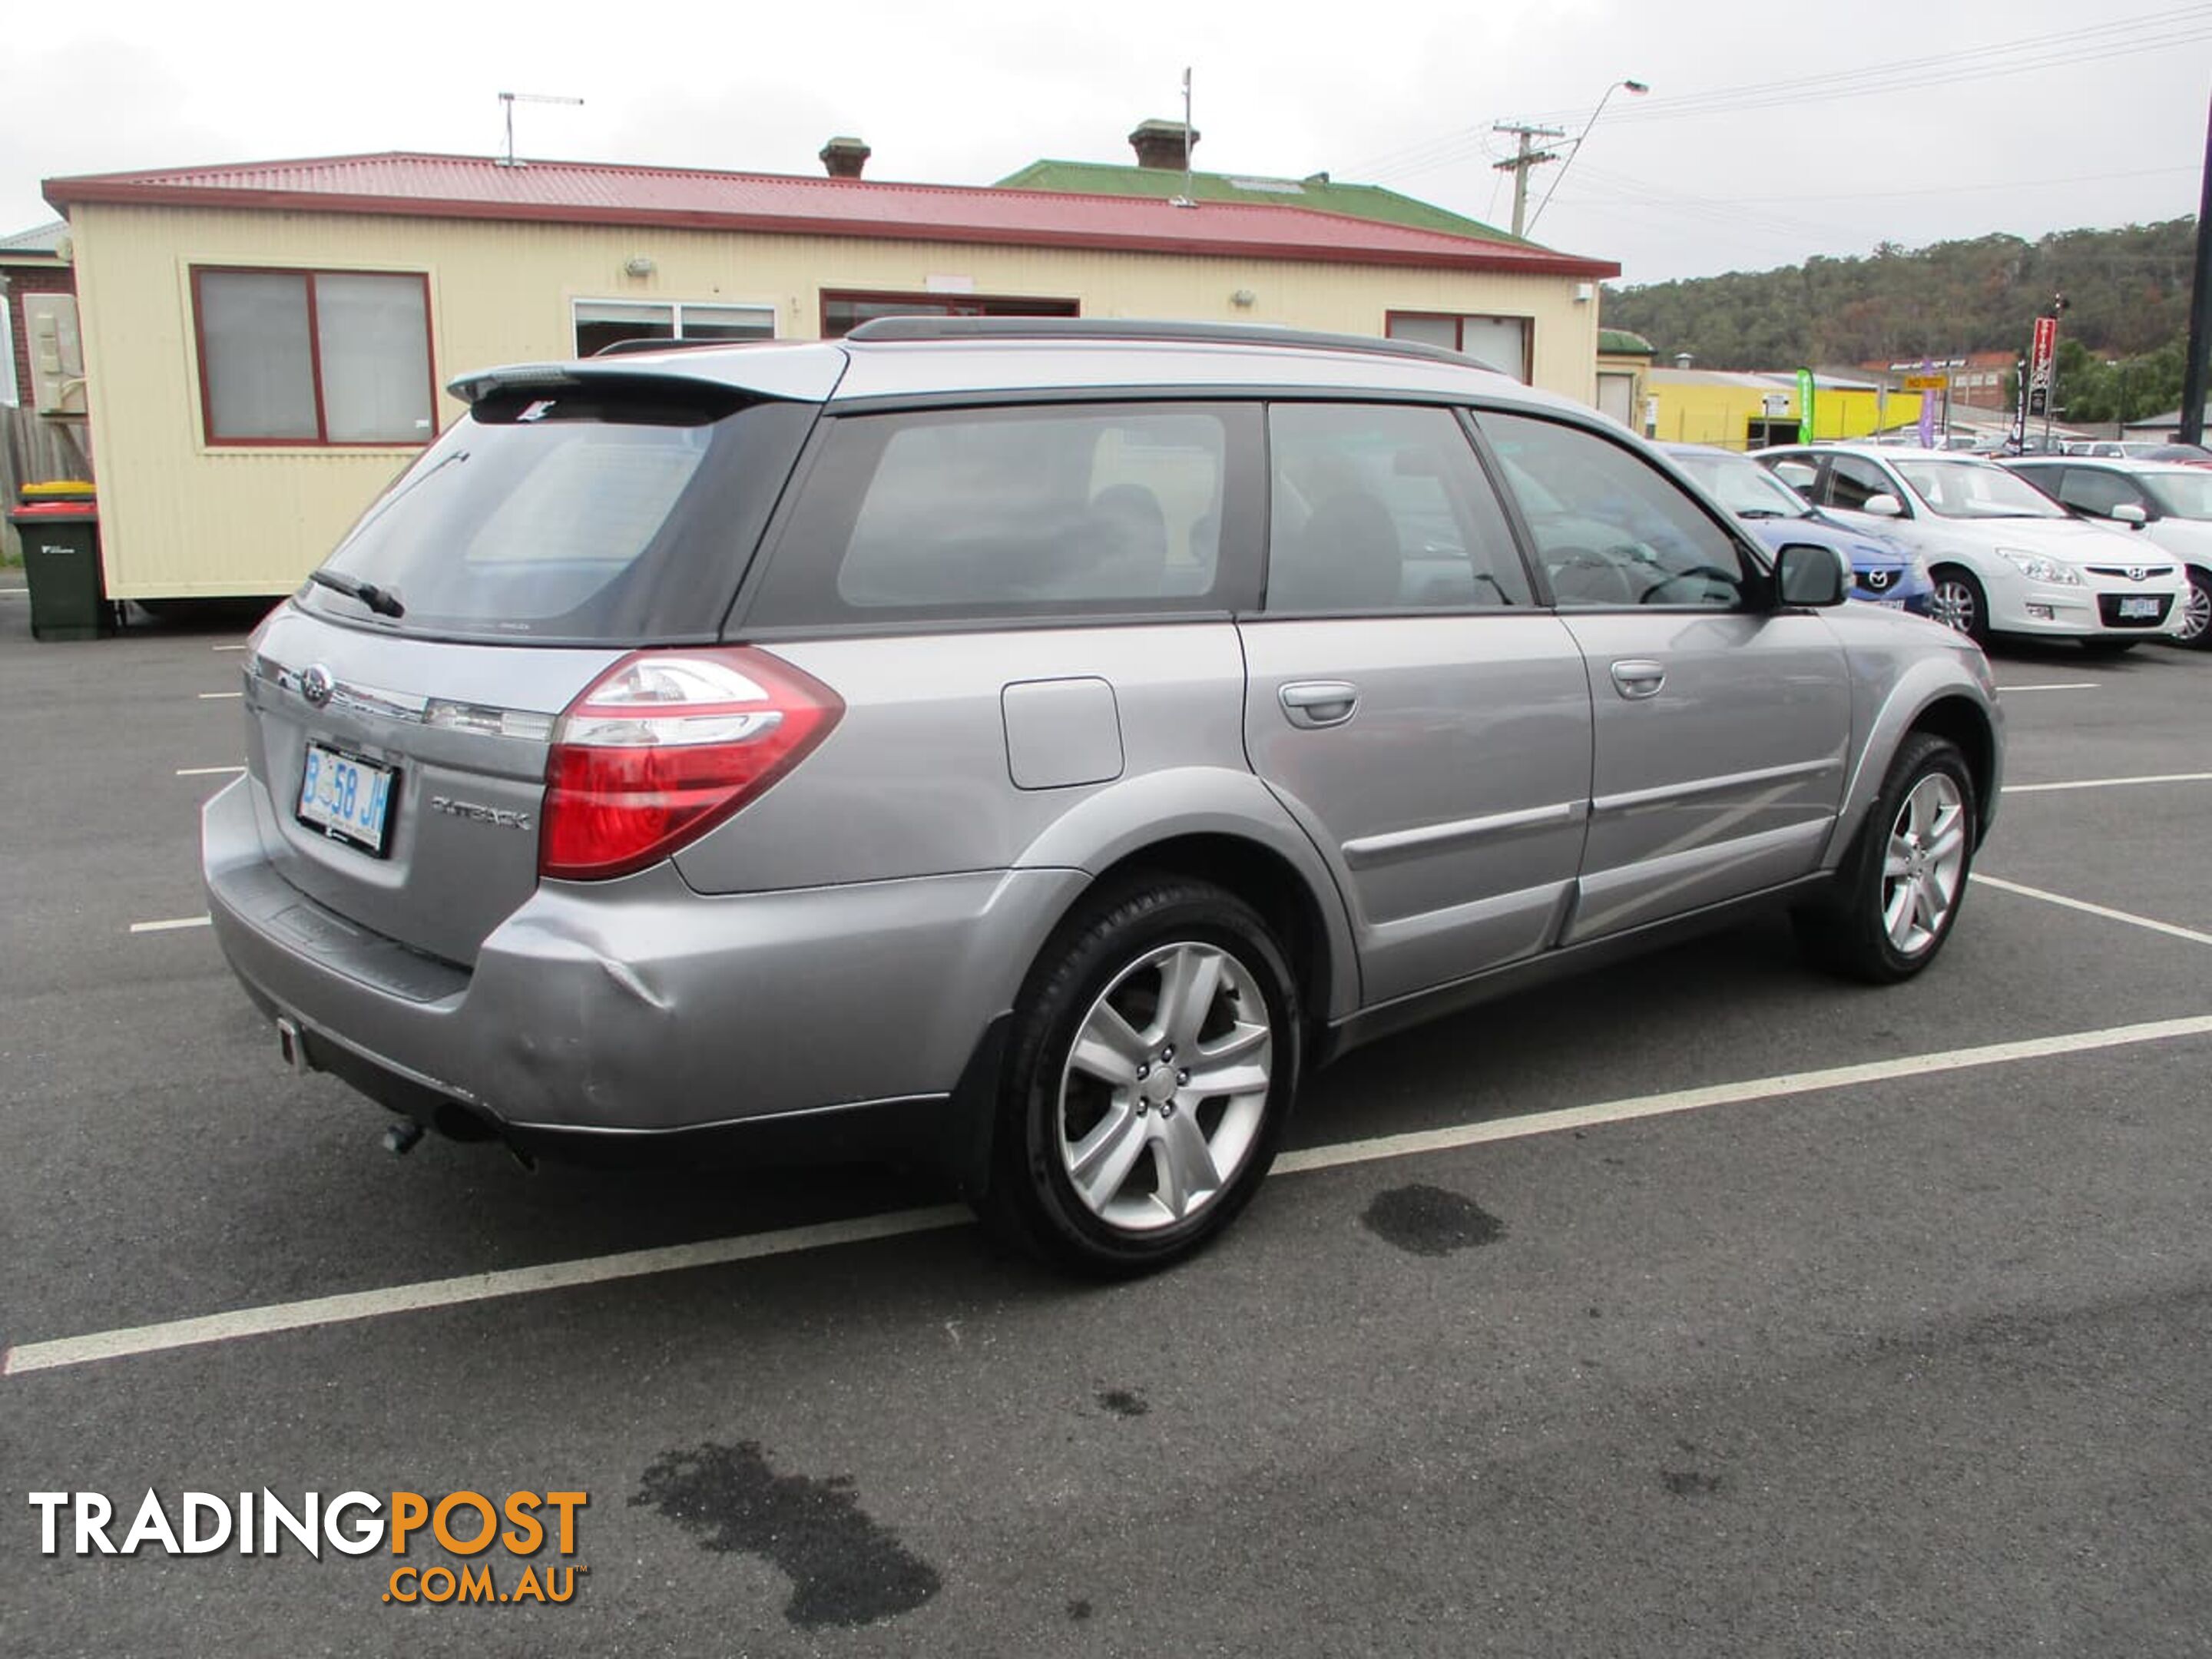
x=2197 y=612
x=1109 y=1157
x=1960 y=602
x=1897 y=895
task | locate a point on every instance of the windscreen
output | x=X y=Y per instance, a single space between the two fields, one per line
x=1744 y=487
x=2186 y=492
x=1976 y=490
x=603 y=512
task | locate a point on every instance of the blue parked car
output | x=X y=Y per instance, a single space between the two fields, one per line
x=1888 y=572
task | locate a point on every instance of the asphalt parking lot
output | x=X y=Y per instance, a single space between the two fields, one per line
x=1705 y=1305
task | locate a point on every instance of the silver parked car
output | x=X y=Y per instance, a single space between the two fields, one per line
x=1041 y=744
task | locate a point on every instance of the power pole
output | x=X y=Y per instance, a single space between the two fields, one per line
x=1524 y=158
x=2200 y=313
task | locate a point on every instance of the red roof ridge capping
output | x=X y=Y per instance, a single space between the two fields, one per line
x=415 y=185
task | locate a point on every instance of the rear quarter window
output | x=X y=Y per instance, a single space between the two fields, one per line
x=981 y=513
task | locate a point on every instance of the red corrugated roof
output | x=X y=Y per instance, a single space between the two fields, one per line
x=589 y=192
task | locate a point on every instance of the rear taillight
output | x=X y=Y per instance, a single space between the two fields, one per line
x=666 y=745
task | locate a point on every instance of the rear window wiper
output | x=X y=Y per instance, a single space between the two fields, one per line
x=382 y=601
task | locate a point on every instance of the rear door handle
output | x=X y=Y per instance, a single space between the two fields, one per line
x=1636 y=679
x=1319 y=702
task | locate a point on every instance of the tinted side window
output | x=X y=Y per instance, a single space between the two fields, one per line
x=1611 y=529
x=1009 y=512
x=2091 y=489
x=1853 y=482
x=1376 y=508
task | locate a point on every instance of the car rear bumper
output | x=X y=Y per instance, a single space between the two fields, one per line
x=601 y=1013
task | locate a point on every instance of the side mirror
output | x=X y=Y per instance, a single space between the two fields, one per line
x=1885 y=506
x=1806 y=573
x=2128 y=512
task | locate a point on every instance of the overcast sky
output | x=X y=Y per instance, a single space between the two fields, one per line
x=1771 y=132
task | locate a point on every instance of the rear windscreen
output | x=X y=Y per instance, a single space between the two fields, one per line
x=612 y=513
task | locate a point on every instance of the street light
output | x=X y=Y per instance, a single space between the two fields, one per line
x=1635 y=89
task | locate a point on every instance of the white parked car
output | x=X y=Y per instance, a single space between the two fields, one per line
x=2167 y=503
x=2006 y=558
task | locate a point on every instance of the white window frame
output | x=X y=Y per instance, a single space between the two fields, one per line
x=676 y=308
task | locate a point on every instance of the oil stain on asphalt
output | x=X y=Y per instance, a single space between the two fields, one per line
x=1125 y=1402
x=1431 y=1220
x=845 y=1570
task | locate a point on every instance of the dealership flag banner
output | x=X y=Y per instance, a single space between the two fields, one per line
x=1804 y=405
x=2040 y=362
x=1927 y=410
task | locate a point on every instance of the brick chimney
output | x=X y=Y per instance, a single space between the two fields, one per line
x=1159 y=144
x=845 y=157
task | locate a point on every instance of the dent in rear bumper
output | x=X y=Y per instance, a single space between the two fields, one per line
x=638 y=1005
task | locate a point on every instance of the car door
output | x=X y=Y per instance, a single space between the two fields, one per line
x=1720 y=724
x=1424 y=719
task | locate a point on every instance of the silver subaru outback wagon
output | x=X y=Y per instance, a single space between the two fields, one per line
x=1038 y=745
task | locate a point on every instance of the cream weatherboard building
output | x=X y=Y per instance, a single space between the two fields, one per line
x=266 y=344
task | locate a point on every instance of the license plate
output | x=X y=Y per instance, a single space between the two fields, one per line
x=346 y=797
x=1894 y=604
x=2139 y=608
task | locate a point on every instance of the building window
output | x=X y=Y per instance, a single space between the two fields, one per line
x=843 y=312
x=326 y=357
x=603 y=323
x=1503 y=343
x=8 y=393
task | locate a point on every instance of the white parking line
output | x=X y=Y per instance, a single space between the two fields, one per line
x=206 y=771
x=240 y=646
x=172 y=927
x=63 y=1352
x=217 y=697
x=2087 y=908
x=470 y=1287
x=2056 y=685
x=2105 y=783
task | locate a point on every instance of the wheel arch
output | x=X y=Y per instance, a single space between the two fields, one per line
x=1937 y=696
x=1961 y=720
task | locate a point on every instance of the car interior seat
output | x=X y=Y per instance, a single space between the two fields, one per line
x=1347 y=557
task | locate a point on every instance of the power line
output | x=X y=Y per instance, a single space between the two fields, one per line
x=2069 y=47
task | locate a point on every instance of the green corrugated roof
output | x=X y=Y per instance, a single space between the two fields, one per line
x=1623 y=343
x=1370 y=202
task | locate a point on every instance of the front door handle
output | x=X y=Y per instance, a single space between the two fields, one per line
x=1636 y=679
x=1319 y=702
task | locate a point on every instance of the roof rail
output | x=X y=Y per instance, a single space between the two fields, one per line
x=879 y=330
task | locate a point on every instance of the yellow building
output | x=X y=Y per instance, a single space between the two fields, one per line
x=1748 y=412
x=266 y=344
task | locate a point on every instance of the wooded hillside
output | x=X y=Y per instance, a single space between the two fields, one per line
x=2127 y=293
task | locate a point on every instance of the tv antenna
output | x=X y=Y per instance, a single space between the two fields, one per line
x=509 y=99
x=1185 y=200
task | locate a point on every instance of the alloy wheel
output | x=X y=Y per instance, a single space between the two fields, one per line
x=1925 y=863
x=1165 y=1087
x=1953 y=605
x=2195 y=613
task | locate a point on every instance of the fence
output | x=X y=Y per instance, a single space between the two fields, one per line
x=34 y=450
